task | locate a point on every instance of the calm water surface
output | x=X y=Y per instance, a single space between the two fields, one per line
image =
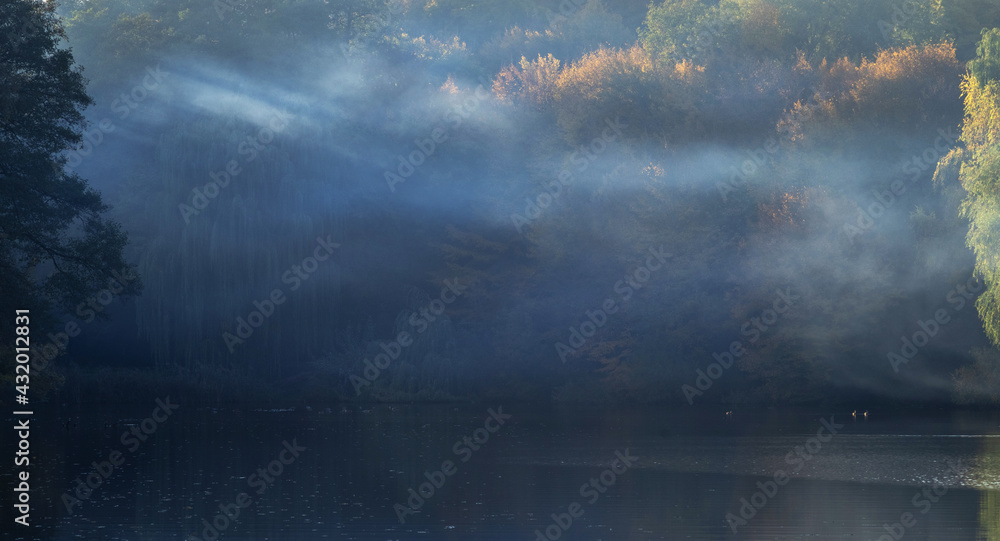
x=347 y=474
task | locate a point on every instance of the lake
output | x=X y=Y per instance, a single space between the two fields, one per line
x=496 y=471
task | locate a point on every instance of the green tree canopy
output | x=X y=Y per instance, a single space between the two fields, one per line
x=978 y=167
x=986 y=66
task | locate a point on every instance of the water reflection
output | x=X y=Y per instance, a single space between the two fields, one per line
x=866 y=481
x=989 y=507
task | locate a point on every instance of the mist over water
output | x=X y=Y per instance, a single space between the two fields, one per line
x=418 y=140
x=442 y=269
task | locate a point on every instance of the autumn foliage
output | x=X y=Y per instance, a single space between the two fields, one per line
x=655 y=100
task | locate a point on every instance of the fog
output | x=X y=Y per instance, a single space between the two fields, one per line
x=262 y=144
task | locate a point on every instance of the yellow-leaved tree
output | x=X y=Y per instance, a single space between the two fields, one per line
x=978 y=171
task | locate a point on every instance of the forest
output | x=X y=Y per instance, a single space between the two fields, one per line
x=577 y=201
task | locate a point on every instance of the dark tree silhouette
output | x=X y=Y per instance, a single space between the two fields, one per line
x=57 y=247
